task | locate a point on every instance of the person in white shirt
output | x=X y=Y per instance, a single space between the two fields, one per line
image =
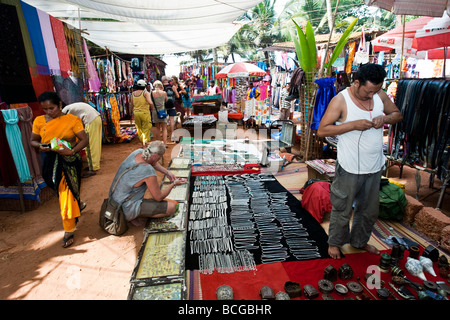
x=357 y=116
x=213 y=89
x=93 y=128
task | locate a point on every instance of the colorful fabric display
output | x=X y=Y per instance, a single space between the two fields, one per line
x=49 y=43
x=37 y=41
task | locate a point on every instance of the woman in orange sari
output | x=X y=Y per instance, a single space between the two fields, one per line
x=61 y=169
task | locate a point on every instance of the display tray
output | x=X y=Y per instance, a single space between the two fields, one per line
x=181 y=173
x=180 y=163
x=172 y=290
x=161 y=258
x=176 y=222
x=178 y=193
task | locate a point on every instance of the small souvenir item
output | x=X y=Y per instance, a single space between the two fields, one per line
x=224 y=292
x=267 y=293
x=282 y=296
x=354 y=287
x=396 y=271
x=385 y=262
x=427 y=265
x=340 y=288
x=330 y=273
x=325 y=286
x=310 y=292
x=415 y=268
x=345 y=272
x=293 y=289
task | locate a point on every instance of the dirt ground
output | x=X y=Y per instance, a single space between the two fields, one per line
x=97 y=266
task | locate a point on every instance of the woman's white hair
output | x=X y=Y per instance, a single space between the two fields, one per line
x=154 y=147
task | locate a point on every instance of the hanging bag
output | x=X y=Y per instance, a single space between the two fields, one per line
x=112 y=218
x=161 y=113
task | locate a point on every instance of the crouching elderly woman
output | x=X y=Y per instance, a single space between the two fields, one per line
x=131 y=188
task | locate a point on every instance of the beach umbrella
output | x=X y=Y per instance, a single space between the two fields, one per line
x=240 y=69
x=430 y=8
x=434 y=34
x=417 y=35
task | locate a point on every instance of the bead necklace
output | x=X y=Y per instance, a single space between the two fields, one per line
x=369 y=109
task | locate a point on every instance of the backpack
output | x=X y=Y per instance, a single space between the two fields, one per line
x=392 y=202
x=170 y=96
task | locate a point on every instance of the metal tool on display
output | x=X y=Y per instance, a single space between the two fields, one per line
x=365 y=288
x=402 y=292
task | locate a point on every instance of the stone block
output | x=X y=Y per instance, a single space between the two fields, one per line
x=412 y=208
x=431 y=222
x=445 y=238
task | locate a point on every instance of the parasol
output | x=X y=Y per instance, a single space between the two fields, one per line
x=240 y=69
x=416 y=36
x=430 y=8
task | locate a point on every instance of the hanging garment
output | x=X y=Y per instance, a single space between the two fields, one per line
x=25 y=35
x=15 y=144
x=69 y=89
x=61 y=45
x=70 y=40
x=25 y=115
x=94 y=81
x=15 y=80
x=8 y=171
x=49 y=42
x=351 y=56
x=37 y=41
x=79 y=52
x=325 y=93
x=115 y=117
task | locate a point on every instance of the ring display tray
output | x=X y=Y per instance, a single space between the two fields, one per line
x=178 y=193
x=179 y=173
x=160 y=258
x=172 y=290
x=177 y=222
x=180 y=163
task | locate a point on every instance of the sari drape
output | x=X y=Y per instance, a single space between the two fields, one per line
x=62 y=173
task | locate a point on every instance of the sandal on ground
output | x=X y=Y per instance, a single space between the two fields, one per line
x=67 y=241
x=82 y=205
x=88 y=174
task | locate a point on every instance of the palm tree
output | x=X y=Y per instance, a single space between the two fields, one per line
x=258 y=33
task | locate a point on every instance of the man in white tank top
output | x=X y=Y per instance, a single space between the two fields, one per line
x=357 y=116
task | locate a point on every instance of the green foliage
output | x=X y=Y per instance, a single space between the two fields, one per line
x=305 y=45
x=340 y=45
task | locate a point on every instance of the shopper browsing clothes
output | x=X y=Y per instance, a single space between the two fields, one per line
x=93 y=128
x=142 y=106
x=61 y=164
x=357 y=116
x=132 y=187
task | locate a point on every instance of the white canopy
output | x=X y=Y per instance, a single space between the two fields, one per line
x=151 y=27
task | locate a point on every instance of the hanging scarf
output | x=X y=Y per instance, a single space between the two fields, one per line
x=61 y=45
x=37 y=41
x=14 y=138
x=94 y=81
x=49 y=42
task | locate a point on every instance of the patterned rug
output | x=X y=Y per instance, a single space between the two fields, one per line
x=385 y=228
